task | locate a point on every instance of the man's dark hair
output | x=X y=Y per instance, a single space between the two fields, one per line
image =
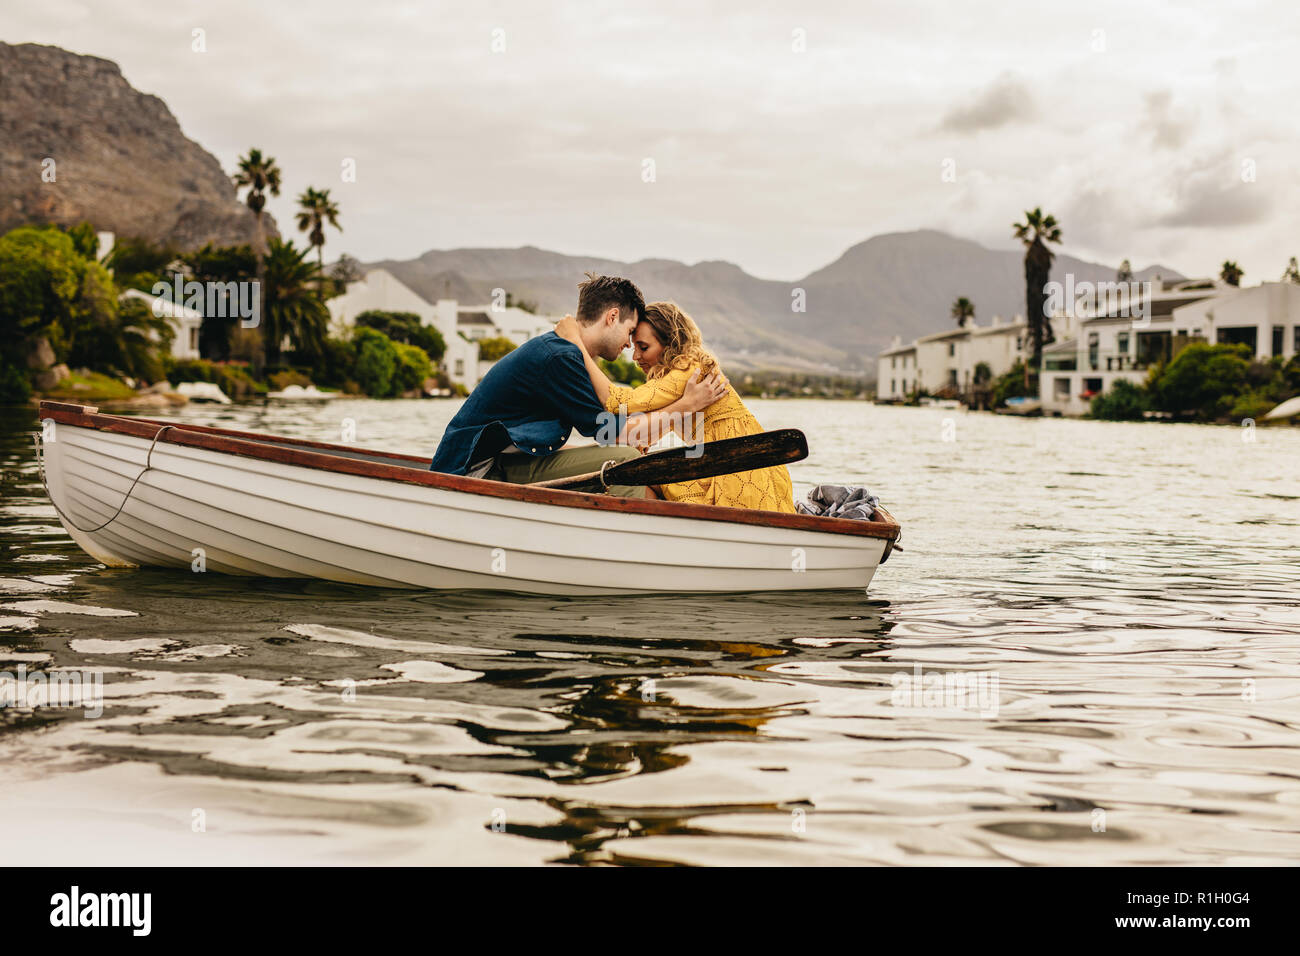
x=601 y=293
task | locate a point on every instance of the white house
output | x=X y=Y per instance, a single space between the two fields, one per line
x=946 y=362
x=896 y=372
x=461 y=327
x=1111 y=344
x=381 y=290
x=185 y=322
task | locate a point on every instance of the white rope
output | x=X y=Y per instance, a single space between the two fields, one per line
x=148 y=463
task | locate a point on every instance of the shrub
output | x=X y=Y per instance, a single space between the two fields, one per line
x=1012 y=385
x=282 y=380
x=234 y=380
x=1125 y=402
x=1203 y=380
x=376 y=364
x=405 y=327
x=413 y=367
x=1252 y=405
x=15 y=389
x=494 y=348
x=622 y=370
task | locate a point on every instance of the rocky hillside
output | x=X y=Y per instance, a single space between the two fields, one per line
x=898 y=284
x=120 y=158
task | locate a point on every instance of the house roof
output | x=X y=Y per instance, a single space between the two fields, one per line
x=899 y=350
x=161 y=306
x=473 y=318
x=940 y=336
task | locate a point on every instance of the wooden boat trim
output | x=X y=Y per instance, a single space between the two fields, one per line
x=305 y=454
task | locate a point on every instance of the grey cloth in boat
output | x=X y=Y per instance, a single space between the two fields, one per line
x=839 y=501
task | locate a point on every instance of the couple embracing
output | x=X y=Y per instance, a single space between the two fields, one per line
x=514 y=425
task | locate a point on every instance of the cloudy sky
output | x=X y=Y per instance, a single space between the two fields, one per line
x=780 y=133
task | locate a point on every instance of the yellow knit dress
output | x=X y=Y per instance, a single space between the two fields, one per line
x=765 y=489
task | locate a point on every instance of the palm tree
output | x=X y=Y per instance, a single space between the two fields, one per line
x=292 y=309
x=259 y=175
x=315 y=209
x=1231 y=273
x=1292 y=273
x=1035 y=232
x=962 y=310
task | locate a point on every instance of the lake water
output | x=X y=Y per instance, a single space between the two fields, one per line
x=1114 y=610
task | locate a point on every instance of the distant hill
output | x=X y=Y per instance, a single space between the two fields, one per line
x=120 y=158
x=123 y=163
x=897 y=284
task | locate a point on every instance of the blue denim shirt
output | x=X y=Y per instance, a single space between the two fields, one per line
x=533 y=397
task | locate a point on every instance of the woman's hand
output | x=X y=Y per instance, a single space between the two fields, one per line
x=567 y=328
x=699 y=395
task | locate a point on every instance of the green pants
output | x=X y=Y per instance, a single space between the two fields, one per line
x=521 y=469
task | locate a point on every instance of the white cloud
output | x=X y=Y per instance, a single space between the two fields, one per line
x=768 y=157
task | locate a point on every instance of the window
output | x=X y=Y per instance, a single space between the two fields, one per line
x=952 y=377
x=952 y=349
x=1295 y=346
x=892 y=360
x=1123 y=343
x=1278 y=332
x=1094 y=342
x=892 y=389
x=194 y=338
x=1061 y=389
x=1020 y=342
x=460 y=367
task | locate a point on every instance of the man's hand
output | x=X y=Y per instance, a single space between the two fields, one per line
x=567 y=328
x=699 y=395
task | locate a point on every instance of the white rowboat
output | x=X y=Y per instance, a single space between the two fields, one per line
x=136 y=492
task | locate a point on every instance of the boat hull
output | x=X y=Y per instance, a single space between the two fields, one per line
x=213 y=511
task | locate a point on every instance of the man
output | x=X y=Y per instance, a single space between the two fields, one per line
x=514 y=424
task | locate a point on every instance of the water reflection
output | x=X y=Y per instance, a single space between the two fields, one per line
x=1147 y=699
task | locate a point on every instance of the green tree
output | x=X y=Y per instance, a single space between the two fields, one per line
x=85 y=240
x=141 y=264
x=1010 y=384
x=1034 y=233
x=40 y=275
x=405 y=327
x=375 y=369
x=622 y=370
x=1124 y=273
x=291 y=309
x=1292 y=273
x=126 y=340
x=962 y=309
x=343 y=273
x=315 y=211
x=220 y=265
x=494 y=347
x=413 y=367
x=1125 y=402
x=1202 y=380
x=259 y=175
x=1231 y=273
x=50 y=288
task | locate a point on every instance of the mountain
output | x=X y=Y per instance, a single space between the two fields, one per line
x=896 y=284
x=120 y=159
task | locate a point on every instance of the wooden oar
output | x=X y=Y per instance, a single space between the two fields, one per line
x=689 y=462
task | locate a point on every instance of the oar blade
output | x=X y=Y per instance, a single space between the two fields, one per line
x=704 y=460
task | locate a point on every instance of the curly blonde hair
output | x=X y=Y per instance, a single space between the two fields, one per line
x=680 y=336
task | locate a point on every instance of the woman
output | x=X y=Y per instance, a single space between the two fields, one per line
x=667 y=345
